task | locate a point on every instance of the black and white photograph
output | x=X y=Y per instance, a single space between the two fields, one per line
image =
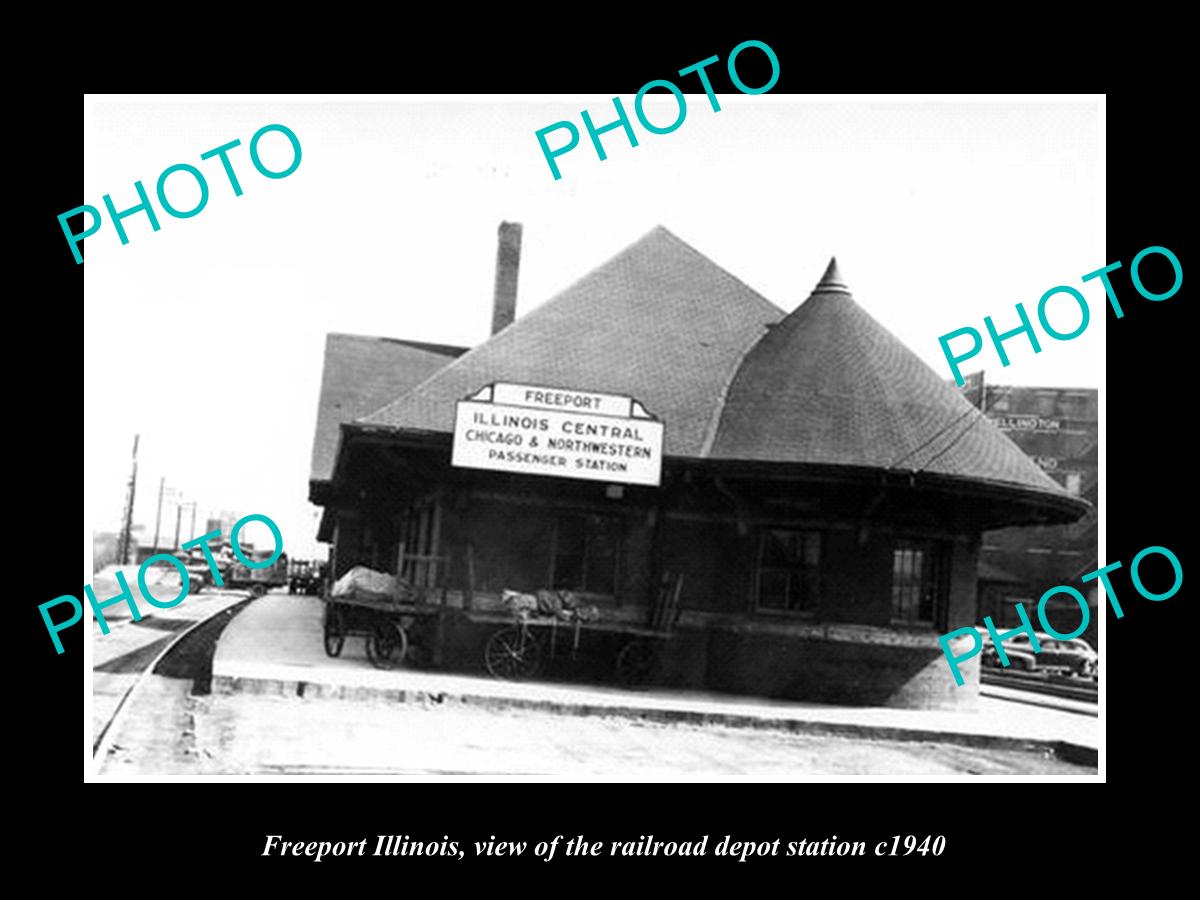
x=525 y=437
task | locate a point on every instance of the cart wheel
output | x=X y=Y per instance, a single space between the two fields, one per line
x=258 y=590
x=636 y=662
x=335 y=631
x=512 y=653
x=387 y=645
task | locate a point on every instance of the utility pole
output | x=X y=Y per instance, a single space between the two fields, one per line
x=127 y=525
x=158 y=516
x=193 y=531
x=178 y=516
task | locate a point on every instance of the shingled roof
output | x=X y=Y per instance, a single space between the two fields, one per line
x=732 y=377
x=360 y=375
x=659 y=322
x=830 y=385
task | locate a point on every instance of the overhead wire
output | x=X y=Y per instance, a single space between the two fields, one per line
x=933 y=437
x=937 y=434
x=982 y=416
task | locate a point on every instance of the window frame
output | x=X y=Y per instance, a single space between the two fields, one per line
x=935 y=568
x=811 y=603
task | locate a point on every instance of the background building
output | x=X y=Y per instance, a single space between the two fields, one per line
x=1058 y=429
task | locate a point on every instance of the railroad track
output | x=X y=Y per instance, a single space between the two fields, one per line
x=188 y=654
x=1073 y=689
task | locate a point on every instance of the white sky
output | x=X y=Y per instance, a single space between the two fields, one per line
x=207 y=336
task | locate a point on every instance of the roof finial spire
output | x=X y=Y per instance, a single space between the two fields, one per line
x=832 y=279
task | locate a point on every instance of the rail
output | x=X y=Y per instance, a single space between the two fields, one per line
x=102 y=741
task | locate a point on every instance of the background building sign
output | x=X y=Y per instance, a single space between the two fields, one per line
x=1026 y=423
x=551 y=431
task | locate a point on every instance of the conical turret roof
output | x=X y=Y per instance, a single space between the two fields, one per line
x=829 y=385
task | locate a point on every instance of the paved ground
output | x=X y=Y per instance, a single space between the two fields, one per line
x=175 y=734
x=276 y=644
x=271 y=730
x=121 y=655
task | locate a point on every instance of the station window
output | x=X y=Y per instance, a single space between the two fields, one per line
x=919 y=582
x=788 y=569
x=587 y=554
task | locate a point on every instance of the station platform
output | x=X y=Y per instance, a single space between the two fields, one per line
x=275 y=646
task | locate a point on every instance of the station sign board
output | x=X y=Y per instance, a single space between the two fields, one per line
x=566 y=433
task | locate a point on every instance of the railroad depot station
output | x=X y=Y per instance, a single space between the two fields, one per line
x=813 y=494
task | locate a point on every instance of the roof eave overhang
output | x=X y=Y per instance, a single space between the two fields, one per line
x=1027 y=505
x=325 y=528
x=1016 y=504
x=319 y=491
x=360 y=432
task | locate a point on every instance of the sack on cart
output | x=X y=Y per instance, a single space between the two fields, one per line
x=365 y=583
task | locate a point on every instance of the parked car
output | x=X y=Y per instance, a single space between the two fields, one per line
x=1075 y=655
x=199 y=574
x=305 y=577
x=259 y=581
x=1018 y=649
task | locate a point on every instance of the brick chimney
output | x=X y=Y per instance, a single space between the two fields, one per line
x=508 y=261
